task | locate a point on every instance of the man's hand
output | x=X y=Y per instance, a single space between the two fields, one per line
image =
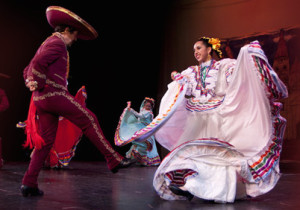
x=32 y=85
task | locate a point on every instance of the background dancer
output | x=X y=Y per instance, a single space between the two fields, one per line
x=144 y=152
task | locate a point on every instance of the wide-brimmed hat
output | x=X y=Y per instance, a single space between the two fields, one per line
x=57 y=15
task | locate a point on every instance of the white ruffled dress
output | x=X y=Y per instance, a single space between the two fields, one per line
x=223 y=129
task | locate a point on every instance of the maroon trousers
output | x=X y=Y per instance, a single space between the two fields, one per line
x=50 y=106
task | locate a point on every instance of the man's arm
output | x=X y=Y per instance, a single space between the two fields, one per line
x=36 y=72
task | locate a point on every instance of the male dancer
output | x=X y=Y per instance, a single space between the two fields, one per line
x=46 y=76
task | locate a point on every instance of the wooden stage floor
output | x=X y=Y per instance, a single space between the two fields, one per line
x=90 y=185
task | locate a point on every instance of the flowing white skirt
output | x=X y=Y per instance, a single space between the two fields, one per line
x=232 y=147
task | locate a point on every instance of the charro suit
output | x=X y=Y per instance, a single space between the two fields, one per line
x=50 y=67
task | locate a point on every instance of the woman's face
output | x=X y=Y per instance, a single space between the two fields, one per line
x=201 y=52
x=147 y=106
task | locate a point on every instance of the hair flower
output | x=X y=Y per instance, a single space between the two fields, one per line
x=215 y=42
x=216 y=45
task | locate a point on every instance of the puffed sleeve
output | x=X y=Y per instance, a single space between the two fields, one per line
x=226 y=68
x=142 y=115
x=182 y=77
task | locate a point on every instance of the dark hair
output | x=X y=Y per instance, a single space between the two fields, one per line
x=151 y=101
x=62 y=28
x=205 y=42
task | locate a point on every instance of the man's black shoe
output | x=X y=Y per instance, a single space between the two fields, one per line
x=123 y=164
x=31 y=191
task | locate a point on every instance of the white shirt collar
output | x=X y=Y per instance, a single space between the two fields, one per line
x=207 y=63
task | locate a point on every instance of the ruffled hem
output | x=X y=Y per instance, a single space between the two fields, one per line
x=219 y=172
x=144 y=159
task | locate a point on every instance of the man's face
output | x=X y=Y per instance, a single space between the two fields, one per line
x=71 y=37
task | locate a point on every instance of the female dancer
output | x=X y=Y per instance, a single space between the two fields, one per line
x=145 y=153
x=225 y=135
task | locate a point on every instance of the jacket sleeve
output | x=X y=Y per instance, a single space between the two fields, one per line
x=38 y=68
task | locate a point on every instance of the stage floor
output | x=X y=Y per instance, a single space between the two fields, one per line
x=90 y=185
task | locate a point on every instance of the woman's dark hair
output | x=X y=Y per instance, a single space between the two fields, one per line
x=151 y=101
x=205 y=42
x=62 y=28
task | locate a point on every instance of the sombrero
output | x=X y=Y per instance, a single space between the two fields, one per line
x=57 y=15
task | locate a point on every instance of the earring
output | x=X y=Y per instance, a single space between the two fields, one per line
x=209 y=57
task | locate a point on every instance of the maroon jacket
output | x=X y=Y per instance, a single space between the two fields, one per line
x=49 y=66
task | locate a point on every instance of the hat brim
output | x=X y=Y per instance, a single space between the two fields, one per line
x=57 y=15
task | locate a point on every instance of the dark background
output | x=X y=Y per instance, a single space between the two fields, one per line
x=122 y=64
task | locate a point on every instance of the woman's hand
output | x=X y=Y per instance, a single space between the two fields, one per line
x=173 y=75
x=128 y=105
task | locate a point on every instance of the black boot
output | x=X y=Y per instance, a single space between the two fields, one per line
x=123 y=164
x=176 y=190
x=31 y=191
